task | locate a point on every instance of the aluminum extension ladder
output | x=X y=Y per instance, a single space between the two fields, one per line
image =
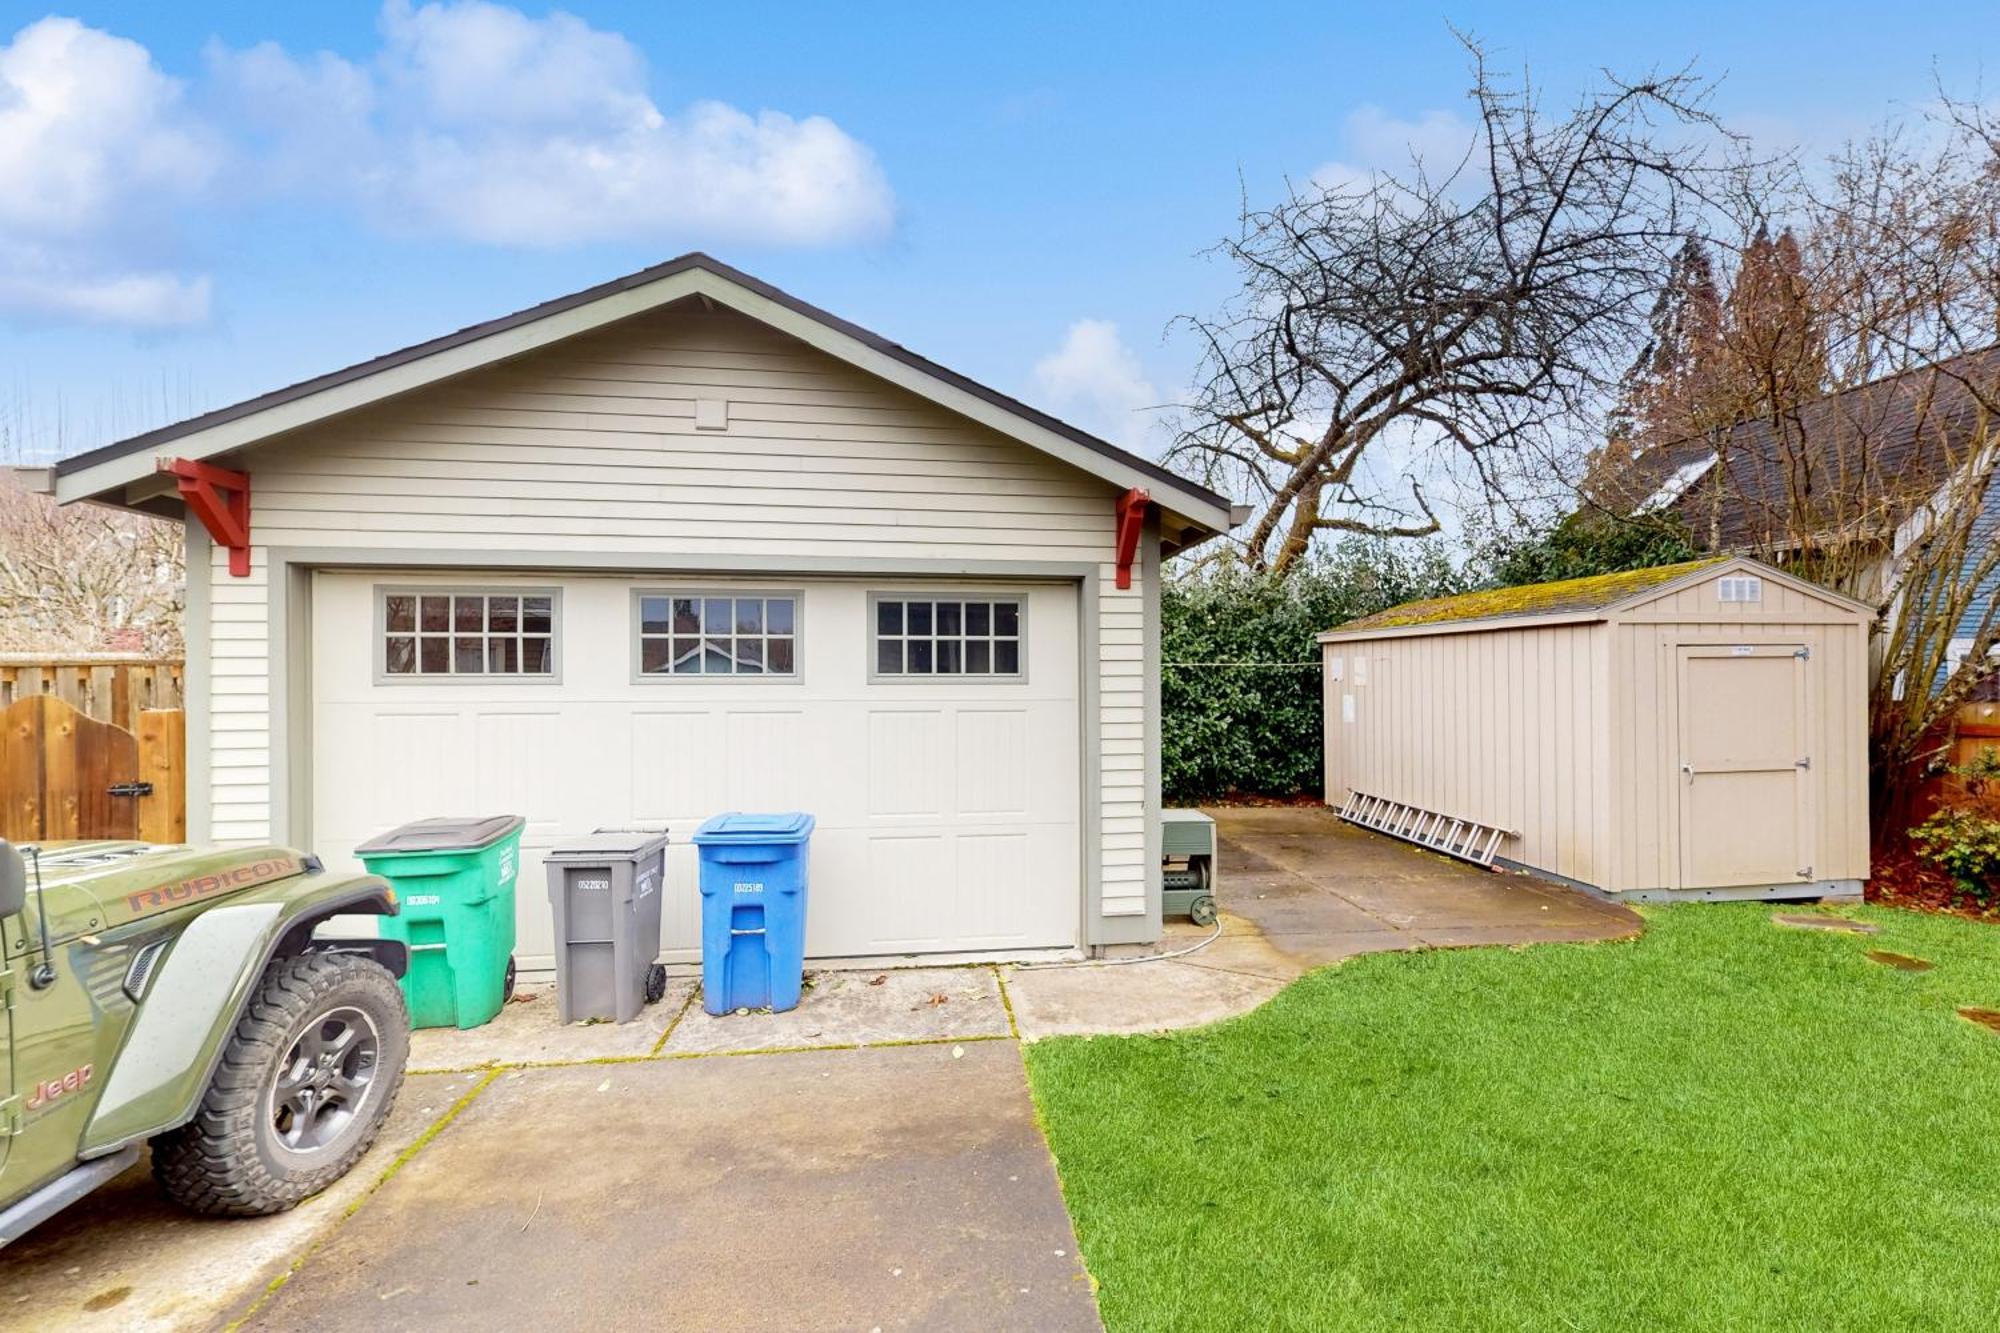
x=1466 y=839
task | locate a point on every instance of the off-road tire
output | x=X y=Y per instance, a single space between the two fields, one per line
x=228 y=1161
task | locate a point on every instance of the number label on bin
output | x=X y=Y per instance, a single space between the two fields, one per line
x=744 y=887
x=421 y=900
x=592 y=883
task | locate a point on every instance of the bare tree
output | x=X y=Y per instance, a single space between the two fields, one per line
x=71 y=578
x=1840 y=419
x=1488 y=309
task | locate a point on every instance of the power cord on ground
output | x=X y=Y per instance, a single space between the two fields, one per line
x=1213 y=936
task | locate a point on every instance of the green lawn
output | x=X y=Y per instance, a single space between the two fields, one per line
x=1721 y=1124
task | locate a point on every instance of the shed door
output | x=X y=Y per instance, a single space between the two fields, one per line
x=1744 y=770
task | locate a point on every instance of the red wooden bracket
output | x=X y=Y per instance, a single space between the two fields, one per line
x=1131 y=508
x=221 y=500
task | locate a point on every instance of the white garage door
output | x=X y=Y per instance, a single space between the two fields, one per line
x=946 y=787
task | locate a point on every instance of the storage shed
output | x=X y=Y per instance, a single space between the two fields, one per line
x=1692 y=731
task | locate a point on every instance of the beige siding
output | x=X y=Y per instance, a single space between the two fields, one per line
x=1644 y=650
x=591 y=446
x=1570 y=734
x=1497 y=727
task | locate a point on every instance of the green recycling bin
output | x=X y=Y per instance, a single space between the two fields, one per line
x=454 y=879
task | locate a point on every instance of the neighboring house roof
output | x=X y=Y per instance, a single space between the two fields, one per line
x=1862 y=460
x=106 y=473
x=1597 y=597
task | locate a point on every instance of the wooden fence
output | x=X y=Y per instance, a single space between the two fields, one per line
x=66 y=775
x=107 y=687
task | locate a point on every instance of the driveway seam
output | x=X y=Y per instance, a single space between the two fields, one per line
x=503 y=1066
x=1006 y=1002
x=402 y=1159
x=686 y=1005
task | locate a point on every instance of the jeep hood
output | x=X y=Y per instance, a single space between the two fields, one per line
x=101 y=886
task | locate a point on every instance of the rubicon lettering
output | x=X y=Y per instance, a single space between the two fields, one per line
x=222 y=881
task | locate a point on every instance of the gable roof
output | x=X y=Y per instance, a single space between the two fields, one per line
x=1596 y=597
x=1876 y=451
x=105 y=473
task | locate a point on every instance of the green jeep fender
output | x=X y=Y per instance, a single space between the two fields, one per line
x=199 y=991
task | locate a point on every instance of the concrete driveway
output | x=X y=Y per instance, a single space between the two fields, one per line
x=1320 y=889
x=1298 y=889
x=897 y=1187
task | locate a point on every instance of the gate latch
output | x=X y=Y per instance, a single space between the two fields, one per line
x=129 y=789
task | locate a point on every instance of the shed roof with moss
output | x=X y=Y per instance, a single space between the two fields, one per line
x=1598 y=592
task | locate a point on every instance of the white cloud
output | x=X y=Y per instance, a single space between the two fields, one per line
x=1375 y=142
x=471 y=121
x=478 y=122
x=97 y=150
x=1094 y=381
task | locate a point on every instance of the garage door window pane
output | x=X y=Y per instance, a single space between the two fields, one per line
x=685 y=634
x=916 y=637
x=468 y=633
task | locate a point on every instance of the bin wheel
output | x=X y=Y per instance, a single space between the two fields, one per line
x=656 y=983
x=1202 y=910
x=507 y=982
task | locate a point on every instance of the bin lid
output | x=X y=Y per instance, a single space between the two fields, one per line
x=793 y=826
x=622 y=844
x=461 y=833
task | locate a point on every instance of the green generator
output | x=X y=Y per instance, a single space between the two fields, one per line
x=1187 y=865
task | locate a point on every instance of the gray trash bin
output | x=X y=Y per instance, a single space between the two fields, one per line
x=606 y=890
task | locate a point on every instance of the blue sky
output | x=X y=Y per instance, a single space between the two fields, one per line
x=199 y=202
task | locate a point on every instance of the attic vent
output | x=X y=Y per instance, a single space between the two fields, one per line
x=1741 y=588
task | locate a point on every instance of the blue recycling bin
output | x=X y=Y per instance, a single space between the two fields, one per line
x=753 y=910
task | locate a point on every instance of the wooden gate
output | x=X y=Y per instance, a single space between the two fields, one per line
x=65 y=775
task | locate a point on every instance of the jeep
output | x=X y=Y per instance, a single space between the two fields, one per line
x=183 y=997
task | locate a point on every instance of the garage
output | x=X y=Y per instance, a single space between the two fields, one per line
x=671 y=546
x=931 y=727
x=1690 y=731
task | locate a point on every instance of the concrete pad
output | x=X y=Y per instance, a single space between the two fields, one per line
x=896 y=1188
x=127 y=1259
x=1139 y=997
x=526 y=1031
x=858 y=1009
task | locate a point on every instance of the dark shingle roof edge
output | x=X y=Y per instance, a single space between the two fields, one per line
x=693 y=260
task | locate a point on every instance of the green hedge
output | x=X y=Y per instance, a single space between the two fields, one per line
x=1240 y=674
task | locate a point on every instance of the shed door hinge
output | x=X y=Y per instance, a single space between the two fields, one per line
x=1804 y=763
x=1806 y=873
x=1803 y=654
